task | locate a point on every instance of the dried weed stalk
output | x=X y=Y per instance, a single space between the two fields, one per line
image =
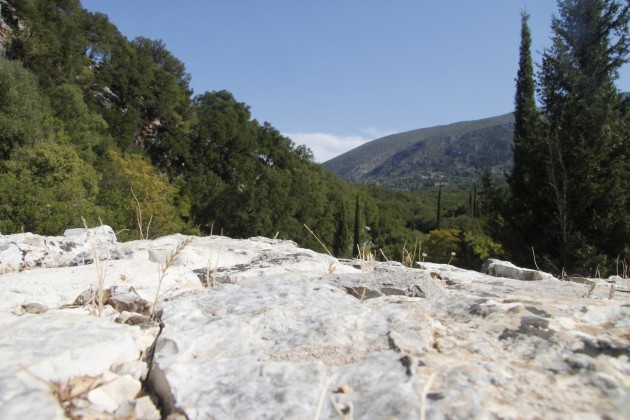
x=331 y=263
x=143 y=235
x=163 y=269
x=101 y=270
x=409 y=259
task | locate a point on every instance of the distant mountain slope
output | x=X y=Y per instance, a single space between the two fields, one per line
x=454 y=154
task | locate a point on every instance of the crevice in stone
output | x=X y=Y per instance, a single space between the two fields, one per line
x=362 y=292
x=610 y=348
x=155 y=384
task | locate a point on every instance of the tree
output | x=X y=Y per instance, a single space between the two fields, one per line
x=224 y=139
x=340 y=240
x=472 y=202
x=46 y=189
x=528 y=178
x=568 y=194
x=54 y=48
x=22 y=113
x=356 y=243
x=438 y=221
x=84 y=129
x=492 y=202
x=164 y=105
x=475 y=207
x=139 y=200
x=441 y=245
x=582 y=133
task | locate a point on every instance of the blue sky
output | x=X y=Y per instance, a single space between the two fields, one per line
x=333 y=74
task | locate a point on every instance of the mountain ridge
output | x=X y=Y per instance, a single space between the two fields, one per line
x=450 y=154
x=453 y=154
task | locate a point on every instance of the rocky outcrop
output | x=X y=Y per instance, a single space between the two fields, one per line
x=261 y=328
x=77 y=247
x=500 y=268
x=11 y=26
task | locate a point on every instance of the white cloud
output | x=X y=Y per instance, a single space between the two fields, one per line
x=326 y=146
x=376 y=133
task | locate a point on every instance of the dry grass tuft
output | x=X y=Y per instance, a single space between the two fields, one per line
x=409 y=258
x=73 y=392
x=163 y=269
x=143 y=235
x=101 y=271
x=368 y=260
x=331 y=263
x=625 y=269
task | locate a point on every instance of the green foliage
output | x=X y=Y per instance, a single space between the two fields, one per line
x=567 y=179
x=529 y=175
x=46 y=189
x=55 y=48
x=463 y=248
x=356 y=243
x=341 y=240
x=22 y=112
x=441 y=245
x=138 y=199
x=83 y=128
x=438 y=219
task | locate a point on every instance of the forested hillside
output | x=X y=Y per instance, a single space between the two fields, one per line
x=97 y=126
x=454 y=155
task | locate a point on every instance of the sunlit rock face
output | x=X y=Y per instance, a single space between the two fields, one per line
x=216 y=327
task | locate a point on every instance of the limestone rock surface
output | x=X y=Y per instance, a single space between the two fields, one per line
x=500 y=268
x=261 y=328
x=76 y=247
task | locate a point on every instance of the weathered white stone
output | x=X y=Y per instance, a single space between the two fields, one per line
x=115 y=391
x=38 y=352
x=618 y=284
x=145 y=409
x=55 y=287
x=506 y=269
x=76 y=247
x=33 y=404
x=285 y=327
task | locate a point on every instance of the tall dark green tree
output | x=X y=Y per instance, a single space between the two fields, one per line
x=342 y=234
x=528 y=177
x=357 y=228
x=585 y=140
x=438 y=219
x=475 y=202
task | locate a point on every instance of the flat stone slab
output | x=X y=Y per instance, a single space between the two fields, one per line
x=66 y=356
x=271 y=347
x=508 y=270
x=267 y=349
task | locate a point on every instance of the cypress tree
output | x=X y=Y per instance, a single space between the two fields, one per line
x=525 y=117
x=585 y=146
x=340 y=240
x=528 y=176
x=439 y=208
x=357 y=228
x=475 y=201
